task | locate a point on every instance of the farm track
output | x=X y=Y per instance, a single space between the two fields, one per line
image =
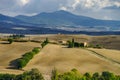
x=104 y=57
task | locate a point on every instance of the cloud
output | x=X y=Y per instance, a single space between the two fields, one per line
x=92 y=8
x=112 y=8
x=75 y=4
x=117 y=3
x=63 y=8
x=24 y=2
x=91 y=4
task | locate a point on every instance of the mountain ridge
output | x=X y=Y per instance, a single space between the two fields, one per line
x=66 y=18
x=63 y=20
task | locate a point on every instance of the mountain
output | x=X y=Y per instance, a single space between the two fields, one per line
x=20 y=29
x=60 y=18
x=8 y=19
x=11 y=20
x=55 y=18
x=58 y=22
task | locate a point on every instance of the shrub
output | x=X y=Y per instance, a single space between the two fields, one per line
x=98 y=46
x=36 y=50
x=7 y=77
x=70 y=44
x=10 y=40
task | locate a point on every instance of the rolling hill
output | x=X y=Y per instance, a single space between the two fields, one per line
x=65 y=59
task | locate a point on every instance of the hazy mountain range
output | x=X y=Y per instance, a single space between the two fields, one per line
x=58 y=20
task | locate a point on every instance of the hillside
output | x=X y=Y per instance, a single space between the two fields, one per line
x=61 y=57
x=65 y=59
x=10 y=52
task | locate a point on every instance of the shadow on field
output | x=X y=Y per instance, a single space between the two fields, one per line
x=13 y=64
x=65 y=47
x=4 y=42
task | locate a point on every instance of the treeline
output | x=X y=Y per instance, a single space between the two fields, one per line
x=75 y=75
x=17 y=36
x=22 y=62
x=34 y=74
x=44 y=43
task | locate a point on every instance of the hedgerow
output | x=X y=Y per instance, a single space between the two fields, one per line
x=22 y=62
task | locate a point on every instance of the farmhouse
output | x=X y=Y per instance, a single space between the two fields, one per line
x=85 y=44
x=62 y=42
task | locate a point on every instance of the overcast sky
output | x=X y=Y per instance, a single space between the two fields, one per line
x=100 y=9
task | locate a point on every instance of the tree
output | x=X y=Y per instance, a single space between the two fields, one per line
x=21 y=63
x=108 y=76
x=54 y=75
x=87 y=75
x=10 y=40
x=43 y=44
x=96 y=76
x=34 y=74
x=70 y=44
x=46 y=41
x=73 y=42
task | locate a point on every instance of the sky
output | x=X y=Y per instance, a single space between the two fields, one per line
x=99 y=9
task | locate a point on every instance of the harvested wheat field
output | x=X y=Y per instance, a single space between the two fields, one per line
x=112 y=54
x=10 y=52
x=65 y=59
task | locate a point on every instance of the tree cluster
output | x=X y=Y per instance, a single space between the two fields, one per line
x=34 y=74
x=72 y=44
x=22 y=62
x=75 y=75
